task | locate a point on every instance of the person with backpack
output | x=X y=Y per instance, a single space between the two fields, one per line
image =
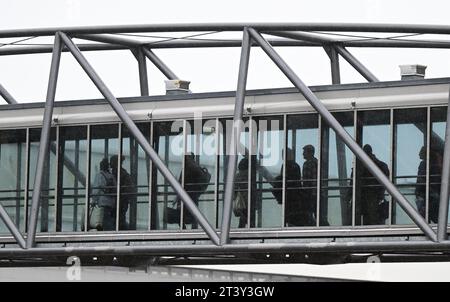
x=196 y=182
x=103 y=199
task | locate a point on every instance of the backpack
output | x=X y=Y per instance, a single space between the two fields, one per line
x=197 y=178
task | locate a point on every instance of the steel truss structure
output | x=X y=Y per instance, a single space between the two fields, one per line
x=293 y=35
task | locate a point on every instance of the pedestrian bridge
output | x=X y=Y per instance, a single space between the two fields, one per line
x=305 y=174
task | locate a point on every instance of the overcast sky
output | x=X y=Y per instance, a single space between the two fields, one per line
x=208 y=69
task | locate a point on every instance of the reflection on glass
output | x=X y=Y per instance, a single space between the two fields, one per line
x=12 y=179
x=302 y=142
x=336 y=188
x=46 y=222
x=239 y=218
x=438 y=124
x=72 y=178
x=168 y=142
x=134 y=182
x=200 y=171
x=104 y=150
x=410 y=160
x=372 y=202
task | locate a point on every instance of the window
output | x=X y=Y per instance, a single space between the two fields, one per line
x=46 y=219
x=134 y=181
x=168 y=143
x=267 y=207
x=12 y=171
x=103 y=159
x=437 y=140
x=200 y=169
x=303 y=147
x=410 y=160
x=72 y=165
x=239 y=219
x=374 y=137
x=336 y=169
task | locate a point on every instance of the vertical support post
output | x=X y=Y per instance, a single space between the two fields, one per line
x=235 y=138
x=143 y=77
x=356 y=64
x=8 y=97
x=334 y=63
x=45 y=140
x=443 y=203
x=18 y=182
x=346 y=138
x=134 y=130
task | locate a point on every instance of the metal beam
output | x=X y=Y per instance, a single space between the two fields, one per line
x=6 y=96
x=110 y=39
x=340 y=131
x=235 y=138
x=382 y=43
x=334 y=63
x=142 y=66
x=117 y=107
x=262 y=26
x=159 y=64
x=209 y=249
x=12 y=227
x=44 y=142
x=443 y=202
x=302 y=36
x=356 y=64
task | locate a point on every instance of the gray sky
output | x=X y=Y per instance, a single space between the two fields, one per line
x=211 y=69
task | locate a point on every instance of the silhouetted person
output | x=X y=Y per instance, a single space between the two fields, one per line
x=240 y=201
x=420 y=191
x=127 y=190
x=309 y=181
x=196 y=182
x=372 y=191
x=435 y=184
x=104 y=195
x=297 y=211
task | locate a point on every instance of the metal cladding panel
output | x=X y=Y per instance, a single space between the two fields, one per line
x=210 y=107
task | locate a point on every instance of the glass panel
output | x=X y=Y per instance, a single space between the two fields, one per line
x=336 y=188
x=46 y=222
x=168 y=142
x=134 y=180
x=266 y=209
x=302 y=142
x=437 y=139
x=12 y=171
x=239 y=218
x=200 y=169
x=372 y=202
x=103 y=190
x=410 y=140
x=72 y=178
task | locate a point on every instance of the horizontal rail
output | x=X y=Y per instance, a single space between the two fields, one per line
x=200 y=249
x=192 y=27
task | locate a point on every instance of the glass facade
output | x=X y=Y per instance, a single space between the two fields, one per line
x=292 y=171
